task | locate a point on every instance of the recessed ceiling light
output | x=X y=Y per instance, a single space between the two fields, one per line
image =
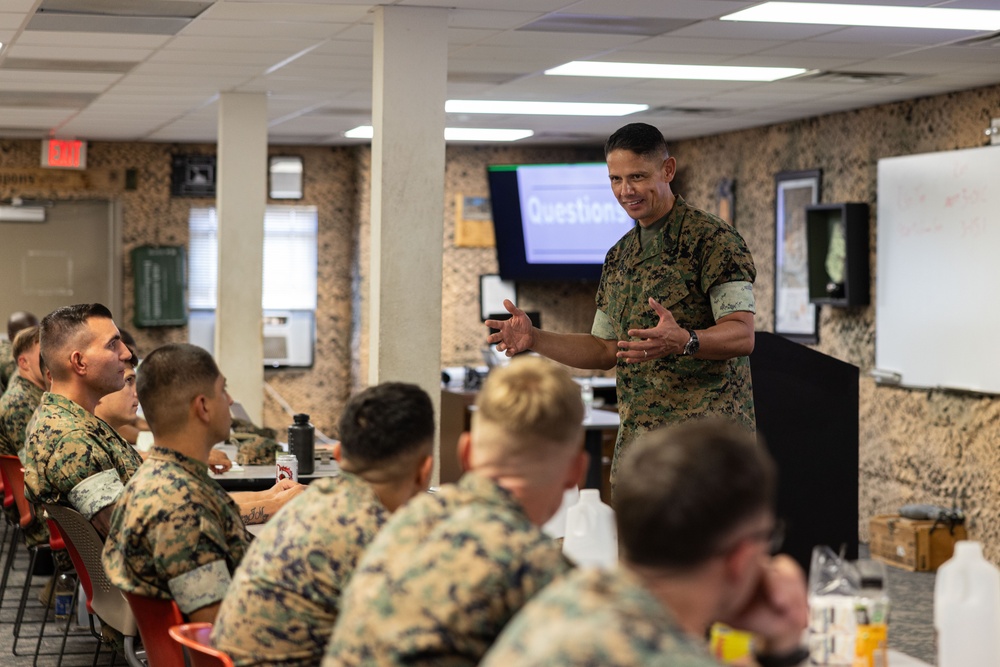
x=454 y=134
x=870 y=15
x=657 y=71
x=542 y=108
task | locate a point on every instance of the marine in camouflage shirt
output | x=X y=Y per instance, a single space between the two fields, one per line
x=283 y=602
x=16 y=407
x=693 y=252
x=594 y=617
x=442 y=579
x=74 y=458
x=175 y=533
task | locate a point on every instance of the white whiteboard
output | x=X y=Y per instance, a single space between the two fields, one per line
x=937 y=314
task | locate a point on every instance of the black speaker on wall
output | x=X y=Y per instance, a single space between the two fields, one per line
x=807 y=413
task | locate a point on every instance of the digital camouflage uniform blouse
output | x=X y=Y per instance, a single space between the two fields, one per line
x=16 y=407
x=175 y=533
x=283 y=602
x=442 y=579
x=694 y=252
x=74 y=458
x=595 y=617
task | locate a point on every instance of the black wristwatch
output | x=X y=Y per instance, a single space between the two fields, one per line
x=691 y=347
x=793 y=659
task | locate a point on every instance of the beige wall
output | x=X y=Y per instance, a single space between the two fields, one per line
x=916 y=446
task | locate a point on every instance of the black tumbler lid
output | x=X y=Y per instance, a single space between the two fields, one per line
x=301 y=418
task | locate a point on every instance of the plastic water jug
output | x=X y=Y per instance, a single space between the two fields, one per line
x=556 y=526
x=591 y=537
x=967 y=609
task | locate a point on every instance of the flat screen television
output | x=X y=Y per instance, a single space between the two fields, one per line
x=554 y=221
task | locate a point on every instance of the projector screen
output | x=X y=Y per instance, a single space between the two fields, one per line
x=554 y=221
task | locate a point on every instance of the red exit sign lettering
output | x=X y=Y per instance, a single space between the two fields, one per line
x=64 y=154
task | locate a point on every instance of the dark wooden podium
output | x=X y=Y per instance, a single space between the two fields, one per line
x=807 y=413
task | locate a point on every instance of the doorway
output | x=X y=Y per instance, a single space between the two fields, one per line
x=73 y=256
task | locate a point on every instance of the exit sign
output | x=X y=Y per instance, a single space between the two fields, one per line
x=64 y=154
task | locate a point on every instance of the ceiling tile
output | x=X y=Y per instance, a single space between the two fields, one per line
x=302 y=12
x=490 y=19
x=90 y=39
x=63 y=52
x=270 y=29
x=675 y=9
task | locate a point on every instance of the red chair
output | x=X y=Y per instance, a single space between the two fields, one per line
x=104 y=599
x=12 y=474
x=196 y=638
x=155 y=618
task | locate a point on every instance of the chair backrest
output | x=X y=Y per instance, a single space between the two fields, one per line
x=13 y=478
x=195 y=637
x=155 y=618
x=106 y=600
x=74 y=555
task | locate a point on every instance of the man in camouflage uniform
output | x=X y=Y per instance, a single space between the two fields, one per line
x=8 y=362
x=175 y=533
x=17 y=405
x=283 y=602
x=450 y=568
x=679 y=571
x=674 y=307
x=72 y=457
x=24 y=392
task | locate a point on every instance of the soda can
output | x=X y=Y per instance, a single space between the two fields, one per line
x=287 y=467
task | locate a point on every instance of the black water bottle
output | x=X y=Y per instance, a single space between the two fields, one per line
x=301 y=442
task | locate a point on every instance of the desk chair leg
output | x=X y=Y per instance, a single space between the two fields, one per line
x=9 y=562
x=25 y=592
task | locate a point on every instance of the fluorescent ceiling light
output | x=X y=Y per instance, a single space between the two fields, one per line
x=870 y=15
x=454 y=134
x=657 y=71
x=542 y=108
x=484 y=134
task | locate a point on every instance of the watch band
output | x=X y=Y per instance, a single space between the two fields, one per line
x=693 y=344
x=793 y=659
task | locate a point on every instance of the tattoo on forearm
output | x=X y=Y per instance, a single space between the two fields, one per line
x=255 y=515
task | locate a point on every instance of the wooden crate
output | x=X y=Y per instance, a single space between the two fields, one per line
x=913 y=545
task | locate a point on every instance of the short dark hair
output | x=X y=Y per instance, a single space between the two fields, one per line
x=169 y=379
x=642 y=139
x=383 y=422
x=24 y=341
x=682 y=490
x=59 y=326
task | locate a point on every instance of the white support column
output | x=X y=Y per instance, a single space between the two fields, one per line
x=240 y=197
x=407 y=202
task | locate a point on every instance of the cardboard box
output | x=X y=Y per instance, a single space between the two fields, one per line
x=917 y=546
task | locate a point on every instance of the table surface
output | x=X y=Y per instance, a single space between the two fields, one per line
x=267 y=472
x=897 y=659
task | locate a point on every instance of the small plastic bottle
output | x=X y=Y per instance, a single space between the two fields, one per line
x=62 y=592
x=591 y=536
x=587 y=394
x=302 y=443
x=967 y=609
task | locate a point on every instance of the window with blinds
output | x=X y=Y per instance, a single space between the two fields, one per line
x=289 y=258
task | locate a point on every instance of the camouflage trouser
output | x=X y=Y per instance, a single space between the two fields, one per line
x=37 y=534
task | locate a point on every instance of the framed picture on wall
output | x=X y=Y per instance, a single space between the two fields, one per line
x=794 y=317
